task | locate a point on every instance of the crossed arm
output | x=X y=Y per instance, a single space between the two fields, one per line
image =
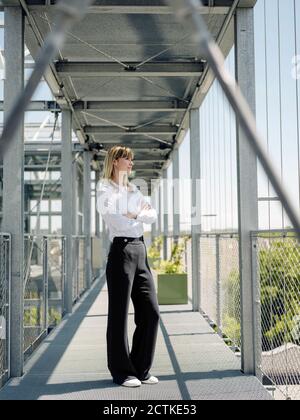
x=146 y=215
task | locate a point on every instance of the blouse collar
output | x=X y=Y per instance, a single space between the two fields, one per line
x=131 y=186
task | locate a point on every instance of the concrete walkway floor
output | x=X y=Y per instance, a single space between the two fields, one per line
x=191 y=361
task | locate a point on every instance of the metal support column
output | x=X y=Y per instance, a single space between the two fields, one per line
x=247 y=183
x=97 y=215
x=75 y=198
x=13 y=181
x=67 y=206
x=80 y=200
x=176 y=195
x=159 y=222
x=87 y=196
x=166 y=215
x=154 y=204
x=196 y=206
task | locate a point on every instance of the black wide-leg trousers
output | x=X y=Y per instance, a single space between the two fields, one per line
x=129 y=276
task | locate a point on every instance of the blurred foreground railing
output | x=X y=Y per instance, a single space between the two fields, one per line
x=5 y=274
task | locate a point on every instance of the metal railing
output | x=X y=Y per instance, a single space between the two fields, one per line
x=276 y=256
x=5 y=276
x=44 y=277
x=220 y=285
x=44 y=281
x=79 y=281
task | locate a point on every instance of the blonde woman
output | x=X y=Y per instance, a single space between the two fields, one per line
x=124 y=210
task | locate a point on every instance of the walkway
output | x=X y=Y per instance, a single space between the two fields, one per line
x=191 y=361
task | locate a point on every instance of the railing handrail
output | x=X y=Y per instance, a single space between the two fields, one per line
x=218 y=234
x=270 y=231
x=29 y=235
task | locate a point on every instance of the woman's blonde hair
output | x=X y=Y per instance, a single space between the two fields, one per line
x=113 y=154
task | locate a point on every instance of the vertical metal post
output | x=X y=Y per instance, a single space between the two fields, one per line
x=67 y=204
x=13 y=180
x=97 y=215
x=46 y=283
x=75 y=198
x=159 y=226
x=257 y=307
x=247 y=182
x=80 y=201
x=87 y=217
x=176 y=196
x=196 y=210
x=8 y=333
x=154 y=204
x=218 y=284
x=166 y=218
x=159 y=212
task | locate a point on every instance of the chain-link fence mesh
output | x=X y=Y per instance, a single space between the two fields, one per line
x=208 y=275
x=5 y=245
x=229 y=321
x=44 y=259
x=278 y=338
x=55 y=261
x=220 y=285
x=34 y=290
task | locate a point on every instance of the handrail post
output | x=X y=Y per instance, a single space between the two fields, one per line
x=218 y=284
x=247 y=182
x=45 y=277
x=67 y=206
x=196 y=206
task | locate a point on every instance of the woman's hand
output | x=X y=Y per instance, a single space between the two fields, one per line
x=147 y=207
x=131 y=216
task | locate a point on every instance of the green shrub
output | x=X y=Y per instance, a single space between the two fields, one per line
x=280 y=283
x=54 y=317
x=32 y=317
x=175 y=264
x=155 y=249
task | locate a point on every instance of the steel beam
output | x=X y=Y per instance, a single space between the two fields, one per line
x=39 y=106
x=159 y=69
x=131 y=131
x=131 y=106
x=218 y=7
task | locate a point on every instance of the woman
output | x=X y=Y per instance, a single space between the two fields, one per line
x=124 y=210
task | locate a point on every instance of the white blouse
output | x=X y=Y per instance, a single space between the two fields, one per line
x=114 y=202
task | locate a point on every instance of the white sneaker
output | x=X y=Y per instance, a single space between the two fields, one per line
x=132 y=383
x=151 y=381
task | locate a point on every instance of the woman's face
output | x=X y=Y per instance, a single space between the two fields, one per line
x=124 y=165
